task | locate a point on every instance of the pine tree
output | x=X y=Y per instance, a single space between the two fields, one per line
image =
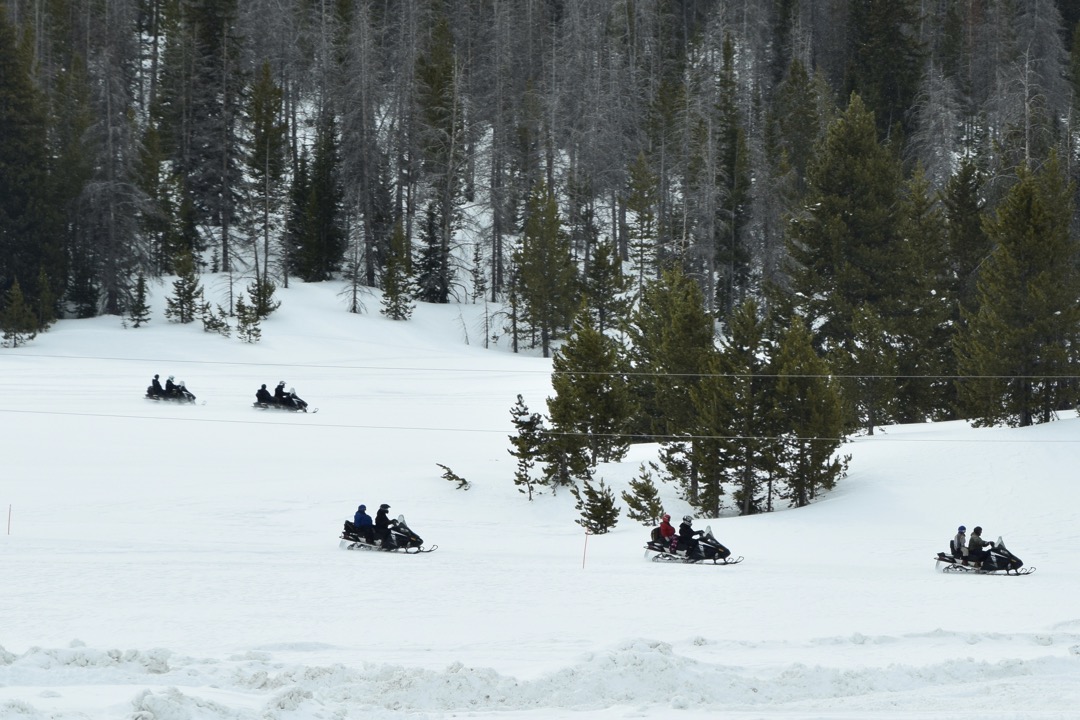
x=886 y=59
x=318 y=231
x=922 y=315
x=641 y=199
x=397 y=304
x=1017 y=354
x=735 y=416
x=139 y=310
x=248 y=327
x=846 y=245
x=215 y=322
x=526 y=446
x=29 y=231
x=266 y=166
x=599 y=513
x=592 y=405
x=643 y=500
x=605 y=288
x=811 y=419
x=185 y=302
x=17 y=319
x=548 y=278
x=261 y=291
x=671 y=336
x=448 y=474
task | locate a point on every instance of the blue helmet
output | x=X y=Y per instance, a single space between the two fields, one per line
x=962 y=529
x=362 y=508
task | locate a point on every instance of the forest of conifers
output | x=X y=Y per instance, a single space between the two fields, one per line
x=893 y=176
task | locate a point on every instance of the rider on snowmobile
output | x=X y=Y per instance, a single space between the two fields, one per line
x=688 y=537
x=977 y=551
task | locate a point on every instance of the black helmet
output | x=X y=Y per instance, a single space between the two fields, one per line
x=264 y=386
x=977 y=530
x=688 y=519
x=384 y=506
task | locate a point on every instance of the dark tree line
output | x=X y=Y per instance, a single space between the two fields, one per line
x=886 y=172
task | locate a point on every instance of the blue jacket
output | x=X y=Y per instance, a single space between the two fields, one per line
x=362 y=518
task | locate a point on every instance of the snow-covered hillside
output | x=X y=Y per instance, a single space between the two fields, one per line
x=181 y=562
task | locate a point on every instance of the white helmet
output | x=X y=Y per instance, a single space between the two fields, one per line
x=181 y=383
x=171 y=377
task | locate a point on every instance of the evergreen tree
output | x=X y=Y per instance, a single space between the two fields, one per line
x=599 y=513
x=809 y=406
x=17 y=319
x=526 y=446
x=318 y=233
x=448 y=474
x=433 y=270
x=923 y=313
x=643 y=500
x=605 y=288
x=45 y=309
x=248 y=325
x=671 y=337
x=261 y=291
x=735 y=416
x=886 y=59
x=732 y=255
x=266 y=165
x=139 y=310
x=591 y=406
x=397 y=304
x=442 y=137
x=216 y=322
x=1016 y=355
x=185 y=302
x=548 y=279
x=29 y=233
x=641 y=199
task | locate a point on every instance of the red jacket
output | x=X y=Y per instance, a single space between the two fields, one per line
x=667 y=530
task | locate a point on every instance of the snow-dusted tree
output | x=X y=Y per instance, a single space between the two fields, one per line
x=643 y=500
x=185 y=302
x=526 y=446
x=138 y=309
x=17 y=319
x=596 y=503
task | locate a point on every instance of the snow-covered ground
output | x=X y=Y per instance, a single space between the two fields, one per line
x=170 y=562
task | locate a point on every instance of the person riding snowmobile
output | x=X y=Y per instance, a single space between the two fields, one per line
x=171 y=388
x=688 y=538
x=363 y=521
x=959 y=545
x=155 y=387
x=977 y=551
x=263 y=395
x=279 y=393
x=382 y=527
x=667 y=531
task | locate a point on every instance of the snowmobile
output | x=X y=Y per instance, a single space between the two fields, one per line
x=181 y=394
x=999 y=561
x=290 y=402
x=712 y=551
x=401 y=538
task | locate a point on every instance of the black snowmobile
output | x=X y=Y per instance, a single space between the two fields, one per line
x=291 y=402
x=402 y=538
x=1000 y=561
x=710 y=550
x=179 y=394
